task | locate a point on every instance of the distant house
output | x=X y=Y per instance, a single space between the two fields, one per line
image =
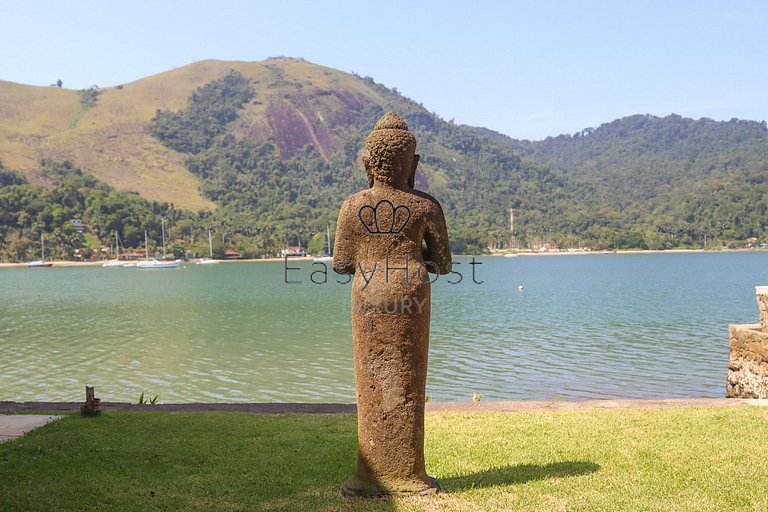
x=133 y=255
x=231 y=254
x=79 y=226
x=294 y=250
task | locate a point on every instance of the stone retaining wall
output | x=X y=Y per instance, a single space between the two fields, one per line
x=762 y=306
x=748 y=360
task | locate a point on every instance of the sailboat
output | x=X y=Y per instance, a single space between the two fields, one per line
x=210 y=260
x=41 y=263
x=115 y=262
x=154 y=262
x=326 y=258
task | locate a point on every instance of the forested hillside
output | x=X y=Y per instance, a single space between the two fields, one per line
x=264 y=153
x=284 y=191
x=679 y=178
x=29 y=212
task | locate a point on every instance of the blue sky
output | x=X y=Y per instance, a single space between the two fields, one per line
x=529 y=69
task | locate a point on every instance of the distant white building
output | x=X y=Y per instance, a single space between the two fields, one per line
x=294 y=250
x=79 y=226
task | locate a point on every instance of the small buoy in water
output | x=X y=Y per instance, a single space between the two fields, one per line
x=519 y=287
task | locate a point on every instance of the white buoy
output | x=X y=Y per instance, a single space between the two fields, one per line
x=519 y=287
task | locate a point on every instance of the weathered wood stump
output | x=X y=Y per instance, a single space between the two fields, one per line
x=92 y=405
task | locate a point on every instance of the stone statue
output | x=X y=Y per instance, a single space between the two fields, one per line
x=379 y=239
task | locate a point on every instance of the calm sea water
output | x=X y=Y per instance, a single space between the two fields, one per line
x=592 y=326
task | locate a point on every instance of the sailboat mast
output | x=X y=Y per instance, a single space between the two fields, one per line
x=210 y=244
x=42 y=247
x=328 y=236
x=117 y=246
x=146 y=244
x=162 y=227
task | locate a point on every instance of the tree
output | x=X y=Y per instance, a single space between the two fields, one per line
x=317 y=244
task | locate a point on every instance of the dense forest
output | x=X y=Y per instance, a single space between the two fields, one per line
x=669 y=181
x=29 y=213
x=635 y=183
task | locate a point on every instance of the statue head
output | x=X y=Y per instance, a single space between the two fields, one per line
x=390 y=152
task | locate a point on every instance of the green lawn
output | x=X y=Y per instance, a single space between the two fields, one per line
x=703 y=459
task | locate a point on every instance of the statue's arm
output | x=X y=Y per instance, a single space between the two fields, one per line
x=344 y=249
x=438 y=247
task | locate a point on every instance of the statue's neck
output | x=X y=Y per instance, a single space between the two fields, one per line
x=382 y=186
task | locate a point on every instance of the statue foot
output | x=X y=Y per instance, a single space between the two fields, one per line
x=356 y=487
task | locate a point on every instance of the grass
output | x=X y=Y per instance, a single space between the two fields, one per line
x=683 y=459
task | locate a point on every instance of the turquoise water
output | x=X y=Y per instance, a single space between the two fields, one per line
x=592 y=326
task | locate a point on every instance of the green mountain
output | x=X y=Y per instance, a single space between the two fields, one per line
x=263 y=153
x=686 y=178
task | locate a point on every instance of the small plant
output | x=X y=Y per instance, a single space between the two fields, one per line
x=476 y=397
x=146 y=400
x=88 y=97
x=427 y=399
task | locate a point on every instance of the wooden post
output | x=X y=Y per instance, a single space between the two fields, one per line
x=92 y=406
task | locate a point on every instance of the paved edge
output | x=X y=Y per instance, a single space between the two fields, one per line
x=13 y=426
x=329 y=408
x=261 y=408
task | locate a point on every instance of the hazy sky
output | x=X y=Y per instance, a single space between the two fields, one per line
x=525 y=68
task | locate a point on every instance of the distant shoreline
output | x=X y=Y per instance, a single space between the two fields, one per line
x=65 y=263
x=639 y=251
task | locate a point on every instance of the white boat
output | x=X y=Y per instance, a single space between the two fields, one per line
x=210 y=260
x=510 y=255
x=41 y=263
x=154 y=262
x=326 y=258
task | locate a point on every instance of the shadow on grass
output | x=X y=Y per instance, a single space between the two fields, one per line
x=519 y=474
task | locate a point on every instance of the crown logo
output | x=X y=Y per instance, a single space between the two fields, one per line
x=385 y=218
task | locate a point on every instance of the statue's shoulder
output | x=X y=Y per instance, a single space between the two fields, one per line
x=357 y=199
x=431 y=202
